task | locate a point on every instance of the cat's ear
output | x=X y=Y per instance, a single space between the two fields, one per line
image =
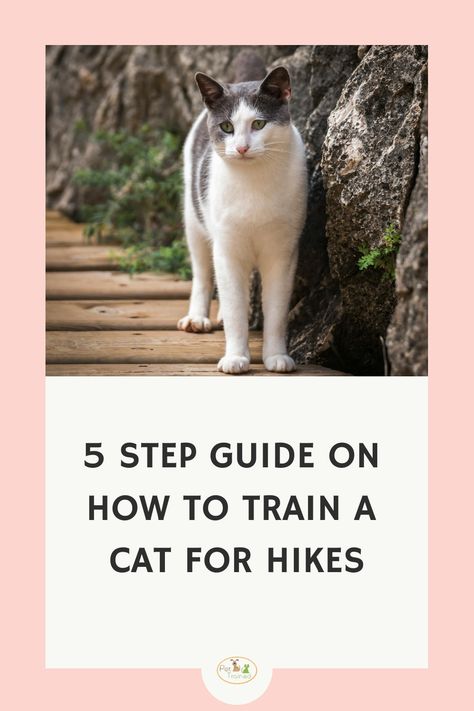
x=277 y=84
x=211 y=90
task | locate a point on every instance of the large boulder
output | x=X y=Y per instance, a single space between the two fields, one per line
x=369 y=164
x=407 y=337
x=316 y=300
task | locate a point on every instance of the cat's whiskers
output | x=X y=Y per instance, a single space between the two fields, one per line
x=268 y=148
x=276 y=155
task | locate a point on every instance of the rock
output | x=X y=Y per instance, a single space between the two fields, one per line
x=362 y=50
x=407 y=337
x=369 y=165
x=78 y=79
x=316 y=301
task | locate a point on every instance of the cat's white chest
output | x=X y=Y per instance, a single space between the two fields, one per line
x=245 y=197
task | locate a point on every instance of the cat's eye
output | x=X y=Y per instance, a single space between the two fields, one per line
x=227 y=127
x=258 y=124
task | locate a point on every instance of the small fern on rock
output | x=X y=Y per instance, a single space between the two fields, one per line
x=383 y=257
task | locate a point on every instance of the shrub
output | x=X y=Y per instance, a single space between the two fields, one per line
x=133 y=196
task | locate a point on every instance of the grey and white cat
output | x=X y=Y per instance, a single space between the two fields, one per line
x=244 y=208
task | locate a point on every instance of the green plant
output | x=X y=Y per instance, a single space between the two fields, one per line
x=168 y=258
x=382 y=257
x=133 y=196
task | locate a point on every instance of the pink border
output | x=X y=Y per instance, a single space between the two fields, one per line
x=26 y=683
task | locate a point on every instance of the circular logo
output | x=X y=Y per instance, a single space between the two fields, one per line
x=236 y=670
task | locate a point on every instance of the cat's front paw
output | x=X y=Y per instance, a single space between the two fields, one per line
x=195 y=324
x=234 y=364
x=280 y=363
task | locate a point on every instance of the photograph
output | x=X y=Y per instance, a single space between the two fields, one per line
x=216 y=210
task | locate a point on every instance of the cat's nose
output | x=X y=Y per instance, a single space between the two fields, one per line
x=242 y=149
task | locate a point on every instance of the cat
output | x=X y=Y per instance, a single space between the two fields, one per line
x=244 y=209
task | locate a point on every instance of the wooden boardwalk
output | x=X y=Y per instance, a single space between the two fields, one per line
x=101 y=321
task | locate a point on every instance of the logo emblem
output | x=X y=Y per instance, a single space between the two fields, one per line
x=236 y=670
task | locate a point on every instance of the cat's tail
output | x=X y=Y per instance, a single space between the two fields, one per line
x=247 y=65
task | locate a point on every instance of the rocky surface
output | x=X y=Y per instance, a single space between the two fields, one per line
x=359 y=111
x=369 y=164
x=407 y=338
x=316 y=299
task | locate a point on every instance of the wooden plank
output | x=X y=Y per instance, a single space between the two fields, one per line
x=139 y=315
x=83 y=258
x=140 y=347
x=62 y=237
x=62 y=232
x=186 y=369
x=66 y=225
x=53 y=215
x=75 y=237
x=59 y=221
x=115 y=285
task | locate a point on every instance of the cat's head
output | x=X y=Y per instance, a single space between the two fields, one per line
x=248 y=121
